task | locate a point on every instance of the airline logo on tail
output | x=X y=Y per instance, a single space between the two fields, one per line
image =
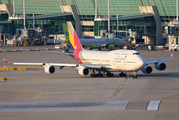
x=6 y=60
x=74 y=40
x=73 y=37
x=172 y=56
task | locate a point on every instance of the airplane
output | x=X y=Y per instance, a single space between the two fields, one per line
x=109 y=43
x=100 y=63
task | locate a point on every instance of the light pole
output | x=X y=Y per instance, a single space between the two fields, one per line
x=108 y=18
x=96 y=7
x=24 y=12
x=177 y=17
x=14 y=8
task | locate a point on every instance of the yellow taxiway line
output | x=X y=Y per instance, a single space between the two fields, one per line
x=37 y=94
x=120 y=87
x=169 y=96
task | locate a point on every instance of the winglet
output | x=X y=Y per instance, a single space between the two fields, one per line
x=5 y=60
x=172 y=56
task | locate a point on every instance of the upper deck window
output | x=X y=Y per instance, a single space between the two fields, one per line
x=136 y=54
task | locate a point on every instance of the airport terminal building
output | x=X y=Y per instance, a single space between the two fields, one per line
x=153 y=21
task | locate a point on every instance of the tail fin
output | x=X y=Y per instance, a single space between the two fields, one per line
x=172 y=56
x=65 y=30
x=113 y=40
x=5 y=60
x=74 y=40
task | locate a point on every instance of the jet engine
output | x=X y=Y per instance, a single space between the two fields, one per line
x=147 y=69
x=83 y=71
x=50 y=69
x=160 y=66
x=106 y=46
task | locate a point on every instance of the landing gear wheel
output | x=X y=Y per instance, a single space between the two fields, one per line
x=122 y=74
x=100 y=75
x=110 y=74
x=92 y=75
x=134 y=77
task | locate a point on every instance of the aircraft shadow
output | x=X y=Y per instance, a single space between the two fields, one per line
x=163 y=74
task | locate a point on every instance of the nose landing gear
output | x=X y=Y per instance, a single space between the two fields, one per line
x=134 y=76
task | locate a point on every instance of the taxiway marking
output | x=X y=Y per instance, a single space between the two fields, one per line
x=169 y=96
x=37 y=94
x=120 y=87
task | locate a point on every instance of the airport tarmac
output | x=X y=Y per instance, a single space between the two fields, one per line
x=65 y=95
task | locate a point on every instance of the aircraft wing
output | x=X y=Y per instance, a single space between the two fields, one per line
x=94 y=66
x=160 y=60
x=60 y=52
x=42 y=63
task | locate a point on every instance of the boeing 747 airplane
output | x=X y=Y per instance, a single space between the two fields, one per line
x=100 y=63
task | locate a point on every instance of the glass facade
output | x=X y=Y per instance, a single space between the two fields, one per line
x=86 y=11
x=86 y=17
x=87 y=28
x=53 y=24
x=38 y=6
x=87 y=7
x=4 y=17
x=7 y=27
x=145 y=24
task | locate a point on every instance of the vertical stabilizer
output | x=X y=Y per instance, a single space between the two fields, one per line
x=74 y=40
x=65 y=30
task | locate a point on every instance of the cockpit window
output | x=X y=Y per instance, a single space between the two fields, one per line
x=136 y=54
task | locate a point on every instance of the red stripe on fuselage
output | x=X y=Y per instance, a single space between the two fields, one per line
x=77 y=48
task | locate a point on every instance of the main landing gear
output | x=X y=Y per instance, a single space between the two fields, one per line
x=122 y=74
x=109 y=74
x=95 y=73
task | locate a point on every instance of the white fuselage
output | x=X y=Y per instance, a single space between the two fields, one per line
x=120 y=60
x=101 y=41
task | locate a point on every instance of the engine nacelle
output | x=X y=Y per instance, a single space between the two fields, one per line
x=83 y=71
x=147 y=69
x=50 y=69
x=160 y=66
x=106 y=46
